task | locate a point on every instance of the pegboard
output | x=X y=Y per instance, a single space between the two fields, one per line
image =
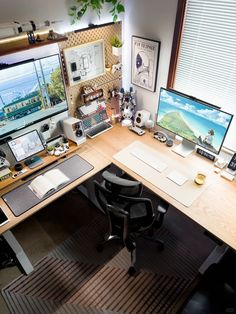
x=106 y=81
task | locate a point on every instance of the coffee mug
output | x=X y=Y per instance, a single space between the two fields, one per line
x=200 y=178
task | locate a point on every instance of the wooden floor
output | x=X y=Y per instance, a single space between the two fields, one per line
x=43 y=233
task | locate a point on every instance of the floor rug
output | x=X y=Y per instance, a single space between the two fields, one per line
x=75 y=278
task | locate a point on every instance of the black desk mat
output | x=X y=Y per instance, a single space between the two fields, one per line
x=22 y=198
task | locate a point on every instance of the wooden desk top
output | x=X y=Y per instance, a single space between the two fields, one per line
x=215 y=209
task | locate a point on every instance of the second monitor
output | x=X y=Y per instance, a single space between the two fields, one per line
x=26 y=147
x=197 y=122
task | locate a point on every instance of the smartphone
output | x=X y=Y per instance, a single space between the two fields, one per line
x=3 y=217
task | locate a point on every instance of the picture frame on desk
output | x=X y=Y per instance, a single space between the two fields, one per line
x=85 y=62
x=144 y=62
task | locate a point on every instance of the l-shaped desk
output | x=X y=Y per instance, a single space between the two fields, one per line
x=214 y=209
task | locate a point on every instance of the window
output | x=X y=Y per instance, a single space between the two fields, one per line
x=203 y=61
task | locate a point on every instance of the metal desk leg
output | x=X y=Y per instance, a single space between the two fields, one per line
x=17 y=249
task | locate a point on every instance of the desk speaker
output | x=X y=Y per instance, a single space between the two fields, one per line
x=73 y=130
x=141 y=117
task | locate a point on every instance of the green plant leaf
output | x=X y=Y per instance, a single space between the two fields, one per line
x=81 y=6
x=115 y=17
x=120 y=8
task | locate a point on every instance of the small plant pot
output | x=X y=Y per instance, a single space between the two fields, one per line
x=117 y=51
x=50 y=150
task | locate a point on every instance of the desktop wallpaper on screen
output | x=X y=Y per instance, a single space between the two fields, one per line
x=30 y=92
x=193 y=120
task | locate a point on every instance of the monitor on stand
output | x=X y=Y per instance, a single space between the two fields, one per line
x=26 y=147
x=197 y=122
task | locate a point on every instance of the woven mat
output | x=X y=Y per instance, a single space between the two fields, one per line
x=75 y=278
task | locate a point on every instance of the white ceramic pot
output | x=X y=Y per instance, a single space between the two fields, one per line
x=117 y=51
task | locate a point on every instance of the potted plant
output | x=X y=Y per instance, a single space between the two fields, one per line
x=116 y=44
x=80 y=7
x=65 y=143
x=50 y=150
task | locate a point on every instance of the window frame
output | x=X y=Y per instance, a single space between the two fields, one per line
x=179 y=22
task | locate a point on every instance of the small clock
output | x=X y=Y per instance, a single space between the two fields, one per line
x=232 y=163
x=206 y=154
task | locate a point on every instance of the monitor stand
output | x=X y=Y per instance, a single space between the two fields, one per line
x=184 y=149
x=33 y=161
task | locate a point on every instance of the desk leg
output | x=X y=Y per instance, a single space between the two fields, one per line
x=18 y=250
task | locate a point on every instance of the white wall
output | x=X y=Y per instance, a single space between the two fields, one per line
x=154 y=19
x=47 y=10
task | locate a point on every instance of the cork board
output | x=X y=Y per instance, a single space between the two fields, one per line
x=106 y=81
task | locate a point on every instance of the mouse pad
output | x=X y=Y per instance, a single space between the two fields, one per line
x=73 y=167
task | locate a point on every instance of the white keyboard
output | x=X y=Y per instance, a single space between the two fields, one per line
x=151 y=161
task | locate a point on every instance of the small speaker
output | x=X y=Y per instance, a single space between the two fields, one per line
x=141 y=116
x=73 y=129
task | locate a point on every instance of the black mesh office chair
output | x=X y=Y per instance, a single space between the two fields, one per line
x=129 y=214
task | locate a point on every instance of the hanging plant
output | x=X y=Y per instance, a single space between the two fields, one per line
x=81 y=6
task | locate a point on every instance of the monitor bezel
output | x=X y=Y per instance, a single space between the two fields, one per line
x=202 y=102
x=22 y=135
x=2 y=136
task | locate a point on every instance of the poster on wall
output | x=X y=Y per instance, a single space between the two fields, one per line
x=85 y=62
x=144 y=62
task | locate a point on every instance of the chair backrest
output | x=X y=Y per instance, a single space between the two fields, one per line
x=120 y=200
x=122 y=186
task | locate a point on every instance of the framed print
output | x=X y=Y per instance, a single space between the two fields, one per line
x=85 y=62
x=144 y=62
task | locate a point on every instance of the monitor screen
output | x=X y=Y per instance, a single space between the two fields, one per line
x=26 y=145
x=193 y=119
x=30 y=91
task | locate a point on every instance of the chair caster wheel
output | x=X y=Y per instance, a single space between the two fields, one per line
x=131 y=271
x=99 y=247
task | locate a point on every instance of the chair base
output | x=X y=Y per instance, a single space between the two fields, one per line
x=131 y=271
x=159 y=242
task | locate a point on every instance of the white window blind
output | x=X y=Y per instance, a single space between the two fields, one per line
x=206 y=66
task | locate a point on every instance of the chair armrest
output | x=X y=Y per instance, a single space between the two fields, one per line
x=117 y=210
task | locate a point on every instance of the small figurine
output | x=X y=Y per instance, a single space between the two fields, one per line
x=31 y=37
x=51 y=35
x=127 y=107
x=38 y=39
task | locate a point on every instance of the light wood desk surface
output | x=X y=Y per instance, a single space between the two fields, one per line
x=215 y=209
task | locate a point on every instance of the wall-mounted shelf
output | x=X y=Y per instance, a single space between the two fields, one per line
x=23 y=44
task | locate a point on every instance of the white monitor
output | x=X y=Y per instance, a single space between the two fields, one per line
x=26 y=145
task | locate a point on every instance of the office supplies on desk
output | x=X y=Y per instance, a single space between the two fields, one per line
x=17 y=174
x=74 y=167
x=185 y=194
x=177 y=177
x=152 y=161
x=26 y=147
x=96 y=123
x=73 y=129
x=3 y=218
x=227 y=175
x=173 y=115
x=137 y=130
x=48 y=182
